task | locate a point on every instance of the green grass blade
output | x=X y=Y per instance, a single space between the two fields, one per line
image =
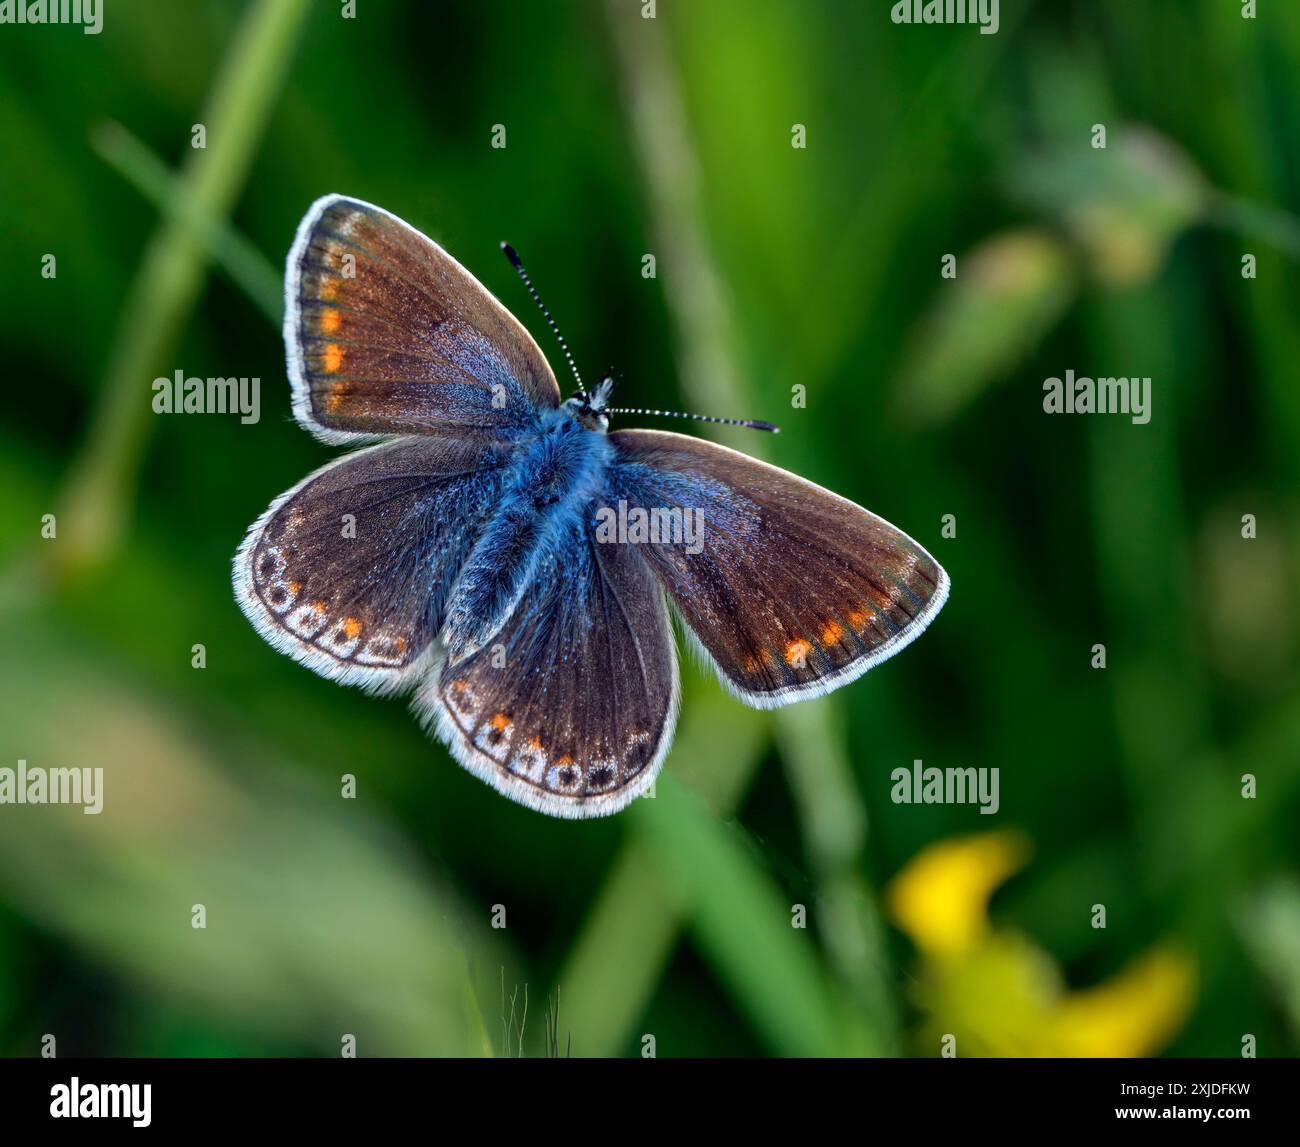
x=247 y=267
x=101 y=482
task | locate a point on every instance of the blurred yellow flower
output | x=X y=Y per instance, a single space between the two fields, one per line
x=941 y=898
x=990 y=991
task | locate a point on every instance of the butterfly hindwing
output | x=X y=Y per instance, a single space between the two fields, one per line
x=794 y=590
x=387 y=334
x=349 y=571
x=571 y=708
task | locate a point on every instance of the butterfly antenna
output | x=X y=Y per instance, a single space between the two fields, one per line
x=751 y=423
x=517 y=264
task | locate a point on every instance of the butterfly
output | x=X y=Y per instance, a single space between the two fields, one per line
x=503 y=555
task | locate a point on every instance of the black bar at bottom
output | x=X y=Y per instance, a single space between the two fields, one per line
x=576 y=1097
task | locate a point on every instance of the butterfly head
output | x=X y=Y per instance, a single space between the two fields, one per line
x=589 y=407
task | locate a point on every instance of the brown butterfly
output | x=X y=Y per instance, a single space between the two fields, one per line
x=503 y=555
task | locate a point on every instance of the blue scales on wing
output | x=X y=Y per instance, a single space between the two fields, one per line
x=570 y=707
x=794 y=590
x=350 y=571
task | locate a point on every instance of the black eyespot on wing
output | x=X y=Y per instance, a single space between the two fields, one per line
x=350 y=570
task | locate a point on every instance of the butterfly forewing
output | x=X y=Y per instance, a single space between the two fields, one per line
x=387 y=334
x=794 y=590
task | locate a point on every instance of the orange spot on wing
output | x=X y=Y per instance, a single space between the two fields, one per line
x=319 y=606
x=352 y=626
x=329 y=289
x=797 y=651
x=329 y=321
x=860 y=618
x=564 y=759
x=338 y=392
x=832 y=632
x=499 y=722
x=458 y=686
x=400 y=644
x=535 y=743
x=295 y=588
x=333 y=357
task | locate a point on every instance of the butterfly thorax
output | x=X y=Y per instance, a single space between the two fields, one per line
x=546 y=492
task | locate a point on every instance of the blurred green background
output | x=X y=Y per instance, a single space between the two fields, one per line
x=796 y=284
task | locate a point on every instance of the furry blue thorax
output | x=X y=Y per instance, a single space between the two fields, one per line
x=546 y=488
